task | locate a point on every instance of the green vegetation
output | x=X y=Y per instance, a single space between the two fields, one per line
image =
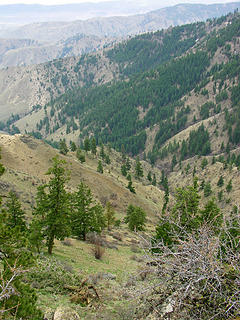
x=80 y=155
x=86 y=215
x=198 y=143
x=116 y=105
x=100 y=167
x=138 y=169
x=109 y=215
x=195 y=248
x=157 y=83
x=17 y=298
x=185 y=236
x=53 y=205
x=136 y=218
x=147 y=51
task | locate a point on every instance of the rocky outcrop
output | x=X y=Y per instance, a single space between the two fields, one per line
x=65 y=313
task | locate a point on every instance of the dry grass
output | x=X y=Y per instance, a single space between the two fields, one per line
x=27 y=160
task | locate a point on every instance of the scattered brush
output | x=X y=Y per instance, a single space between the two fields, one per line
x=98 y=251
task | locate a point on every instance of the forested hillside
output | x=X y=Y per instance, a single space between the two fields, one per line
x=23 y=88
x=133 y=211
x=187 y=75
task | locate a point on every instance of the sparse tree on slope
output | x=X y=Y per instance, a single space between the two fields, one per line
x=87 y=215
x=63 y=147
x=100 y=167
x=16 y=214
x=136 y=218
x=109 y=215
x=93 y=145
x=53 y=204
x=138 y=169
x=17 y=298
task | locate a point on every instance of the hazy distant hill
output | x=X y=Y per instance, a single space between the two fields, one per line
x=181 y=97
x=122 y=26
x=21 y=52
x=63 y=39
x=24 y=13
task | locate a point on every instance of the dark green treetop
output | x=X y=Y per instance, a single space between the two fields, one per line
x=53 y=204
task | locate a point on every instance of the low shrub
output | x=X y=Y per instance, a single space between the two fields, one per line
x=98 y=251
x=51 y=275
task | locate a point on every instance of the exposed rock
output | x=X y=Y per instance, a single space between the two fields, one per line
x=167 y=307
x=109 y=276
x=65 y=313
x=95 y=278
x=48 y=314
x=30 y=142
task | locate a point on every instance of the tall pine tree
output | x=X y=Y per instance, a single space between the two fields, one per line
x=53 y=204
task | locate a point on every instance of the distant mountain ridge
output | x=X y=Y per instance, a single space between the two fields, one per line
x=30 y=13
x=98 y=32
x=120 y=26
x=181 y=83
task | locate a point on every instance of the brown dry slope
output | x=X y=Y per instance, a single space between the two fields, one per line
x=26 y=161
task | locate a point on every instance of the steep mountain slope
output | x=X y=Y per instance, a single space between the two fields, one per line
x=27 y=160
x=53 y=36
x=158 y=103
x=123 y=26
x=15 y=52
x=23 y=88
x=175 y=103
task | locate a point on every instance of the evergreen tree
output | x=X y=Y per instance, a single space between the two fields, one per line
x=154 y=180
x=73 y=146
x=188 y=167
x=136 y=218
x=93 y=146
x=212 y=216
x=128 y=164
x=100 y=167
x=80 y=155
x=204 y=163
x=229 y=186
x=149 y=176
x=166 y=192
x=222 y=146
x=162 y=181
x=194 y=171
x=17 y=298
x=86 y=144
x=131 y=187
x=129 y=177
x=138 y=169
x=186 y=217
x=107 y=159
x=228 y=148
x=220 y=195
x=220 y=182
x=124 y=170
x=36 y=235
x=63 y=147
x=16 y=214
x=2 y=169
x=174 y=161
x=202 y=185
x=102 y=152
x=53 y=204
x=207 y=189
x=87 y=215
x=109 y=215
